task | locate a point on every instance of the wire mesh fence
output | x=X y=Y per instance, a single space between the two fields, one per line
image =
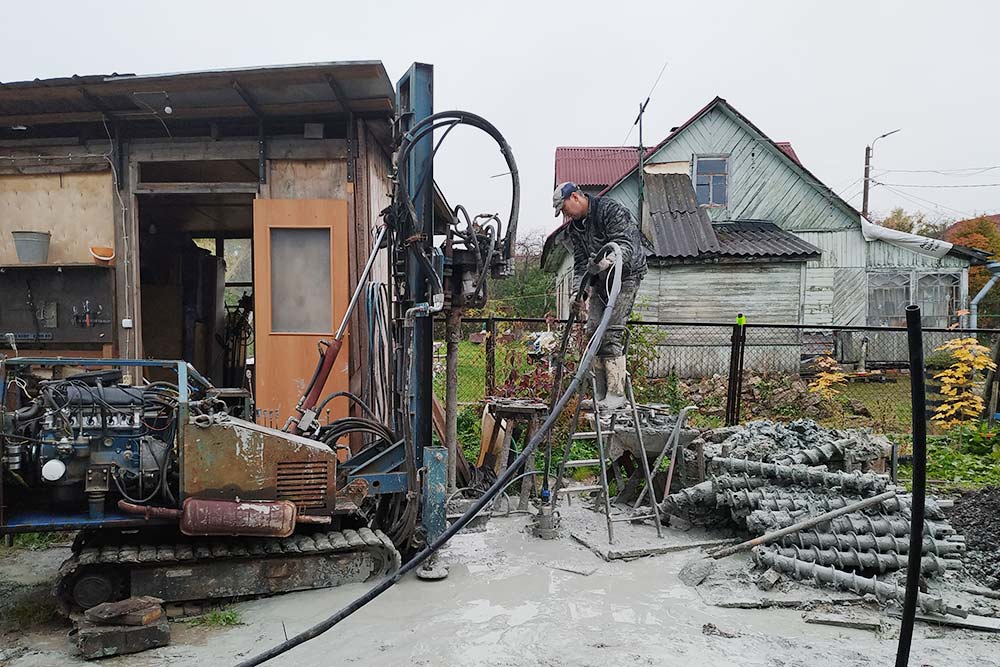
x=839 y=376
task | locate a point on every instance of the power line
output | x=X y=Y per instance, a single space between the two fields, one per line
x=960 y=171
x=920 y=201
x=967 y=185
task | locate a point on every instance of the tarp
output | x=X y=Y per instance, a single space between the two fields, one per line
x=913 y=242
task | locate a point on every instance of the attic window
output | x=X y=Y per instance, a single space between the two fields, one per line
x=711 y=174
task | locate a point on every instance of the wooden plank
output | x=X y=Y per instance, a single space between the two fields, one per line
x=77 y=209
x=839 y=621
x=971 y=622
x=196 y=188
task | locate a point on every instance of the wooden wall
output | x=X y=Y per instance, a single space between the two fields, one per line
x=762 y=183
x=77 y=208
x=765 y=293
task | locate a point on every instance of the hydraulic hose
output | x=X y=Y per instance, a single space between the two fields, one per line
x=585 y=360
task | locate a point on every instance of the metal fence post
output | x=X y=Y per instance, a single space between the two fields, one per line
x=491 y=357
x=735 y=386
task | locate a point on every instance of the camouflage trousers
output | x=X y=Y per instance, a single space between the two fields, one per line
x=613 y=344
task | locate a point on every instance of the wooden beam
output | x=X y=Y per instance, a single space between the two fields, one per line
x=361 y=105
x=280 y=148
x=78 y=166
x=195 y=188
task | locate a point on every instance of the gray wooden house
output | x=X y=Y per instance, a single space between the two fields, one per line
x=737 y=224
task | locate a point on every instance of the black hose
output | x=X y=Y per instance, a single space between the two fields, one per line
x=348 y=395
x=445 y=118
x=586 y=359
x=918 y=403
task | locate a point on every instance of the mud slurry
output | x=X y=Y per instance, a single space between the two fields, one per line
x=511 y=599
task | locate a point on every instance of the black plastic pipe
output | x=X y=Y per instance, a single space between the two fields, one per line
x=918 y=402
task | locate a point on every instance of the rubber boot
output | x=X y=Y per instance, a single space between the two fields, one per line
x=602 y=385
x=614 y=374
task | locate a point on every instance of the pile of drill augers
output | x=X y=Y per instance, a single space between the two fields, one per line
x=847 y=551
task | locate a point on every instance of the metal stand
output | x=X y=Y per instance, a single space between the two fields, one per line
x=602 y=459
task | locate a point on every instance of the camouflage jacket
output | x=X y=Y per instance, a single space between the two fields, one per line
x=608 y=221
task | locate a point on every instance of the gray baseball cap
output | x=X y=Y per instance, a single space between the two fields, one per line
x=562 y=191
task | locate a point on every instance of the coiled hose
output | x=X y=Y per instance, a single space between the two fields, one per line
x=586 y=359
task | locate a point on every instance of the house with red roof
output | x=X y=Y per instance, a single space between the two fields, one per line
x=736 y=223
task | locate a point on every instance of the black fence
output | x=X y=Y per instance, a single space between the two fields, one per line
x=840 y=376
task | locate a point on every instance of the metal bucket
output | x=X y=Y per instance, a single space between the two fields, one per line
x=32 y=247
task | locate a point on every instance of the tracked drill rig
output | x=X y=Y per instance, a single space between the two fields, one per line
x=172 y=488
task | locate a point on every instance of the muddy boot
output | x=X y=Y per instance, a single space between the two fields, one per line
x=614 y=375
x=602 y=386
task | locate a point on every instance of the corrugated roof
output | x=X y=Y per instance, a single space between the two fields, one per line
x=594 y=166
x=786 y=148
x=759 y=238
x=281 y=90
x=678 y=226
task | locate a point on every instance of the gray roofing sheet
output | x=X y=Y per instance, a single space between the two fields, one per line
x=678 y=226
x=759 y=238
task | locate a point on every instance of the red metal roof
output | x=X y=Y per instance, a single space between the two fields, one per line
x=786 y=148
x=594 y=166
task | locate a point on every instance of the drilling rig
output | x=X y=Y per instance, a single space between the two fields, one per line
x=173 y=488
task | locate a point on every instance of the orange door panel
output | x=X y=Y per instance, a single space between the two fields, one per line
x=300 y=293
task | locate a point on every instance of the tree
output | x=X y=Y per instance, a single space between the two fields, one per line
x=981 y=233
x=530 y=292
x=912 y=223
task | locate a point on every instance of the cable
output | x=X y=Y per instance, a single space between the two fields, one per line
x=920 y=201
x=585 y=361
x=959 y=172
x=961 y=185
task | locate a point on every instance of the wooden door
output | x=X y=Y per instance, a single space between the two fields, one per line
x=300 y=293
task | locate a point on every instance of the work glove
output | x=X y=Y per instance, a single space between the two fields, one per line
x=578 y=310
x=599 y=266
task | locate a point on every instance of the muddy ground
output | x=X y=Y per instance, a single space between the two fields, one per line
x=511 y=600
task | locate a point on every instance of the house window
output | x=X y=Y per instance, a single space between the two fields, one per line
x=711 y=175
x=937 y=294
x=888 y=297
x=939 y=298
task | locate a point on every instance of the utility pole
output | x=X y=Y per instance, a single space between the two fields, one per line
x=868 y=165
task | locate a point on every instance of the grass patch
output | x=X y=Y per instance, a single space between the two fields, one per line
x=955 y=470
x=220 y=618
x=38 y=541
x=32 y=610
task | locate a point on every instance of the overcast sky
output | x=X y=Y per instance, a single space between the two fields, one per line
x=826 y=76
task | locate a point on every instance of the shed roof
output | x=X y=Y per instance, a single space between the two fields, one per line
x=594 y=166
x=362 y=87
x=760 y=238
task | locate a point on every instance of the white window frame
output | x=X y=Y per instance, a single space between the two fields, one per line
x=694 y=177
x=913 y=290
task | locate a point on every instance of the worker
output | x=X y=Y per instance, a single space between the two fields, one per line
x=595 y=221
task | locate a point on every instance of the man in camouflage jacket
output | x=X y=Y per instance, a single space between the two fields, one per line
x=595 y=221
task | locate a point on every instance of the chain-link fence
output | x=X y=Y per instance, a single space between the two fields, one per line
x=840 y=376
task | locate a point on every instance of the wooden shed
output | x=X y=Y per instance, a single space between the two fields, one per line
x=205 y=215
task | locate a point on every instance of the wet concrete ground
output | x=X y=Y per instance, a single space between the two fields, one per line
x=510 y=600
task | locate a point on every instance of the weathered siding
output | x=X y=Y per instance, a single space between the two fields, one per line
x=762 y=183
x=765 y=293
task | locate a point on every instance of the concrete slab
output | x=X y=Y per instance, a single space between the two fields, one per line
x=102 y=641
x=632 y=540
